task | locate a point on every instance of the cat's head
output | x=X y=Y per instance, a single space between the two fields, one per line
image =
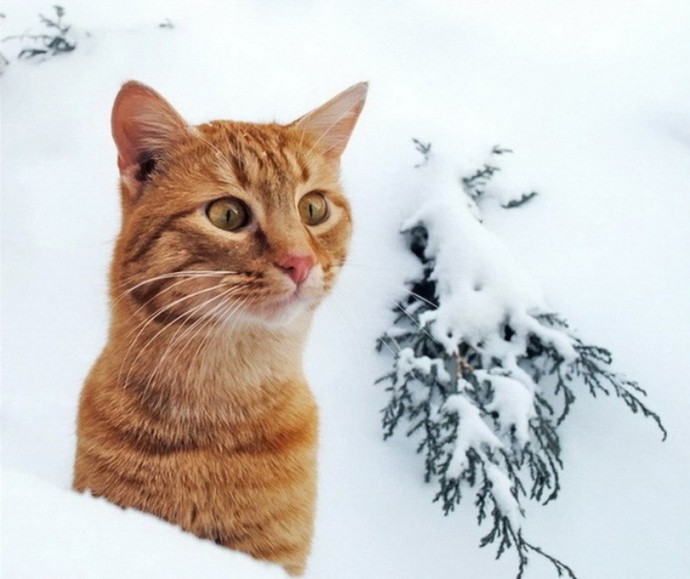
x=229 y=220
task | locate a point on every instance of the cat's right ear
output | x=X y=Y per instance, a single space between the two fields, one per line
x=332 y=123
x=144 y=125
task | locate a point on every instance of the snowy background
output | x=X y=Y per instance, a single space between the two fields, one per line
x=593 y=97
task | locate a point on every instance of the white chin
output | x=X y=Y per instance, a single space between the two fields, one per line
x=281 y=313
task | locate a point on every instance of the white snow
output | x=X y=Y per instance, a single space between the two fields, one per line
x=408 y=362
x=502 y=493
x=512 y=400
x=68 y=535
x=592 y=97
x=473 y=432
x=478 y=280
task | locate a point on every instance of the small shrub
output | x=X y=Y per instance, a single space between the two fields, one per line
x=483 y=374
x=55 y=38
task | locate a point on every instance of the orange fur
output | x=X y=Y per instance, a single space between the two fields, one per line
x=197 y=409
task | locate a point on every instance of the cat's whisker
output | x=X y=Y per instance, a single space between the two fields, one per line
x=373 y=268
x=214 y=326
x=166 y=289
x=385 y=342
x=187 y=275
x=414 y=320
x=149 y=301
x=389 y=339
x=215 y=321
x=421 y=299
x=150 y=320
x=186 y=316
x=183 y=331
x=212 y=316
x=391 y=344
x=184 y=277
x=224 y=320
x=346 y=319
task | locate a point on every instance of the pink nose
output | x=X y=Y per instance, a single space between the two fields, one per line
x=296 y=266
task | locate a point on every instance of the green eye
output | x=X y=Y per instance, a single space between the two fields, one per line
x=313 y=208
x=228 y=213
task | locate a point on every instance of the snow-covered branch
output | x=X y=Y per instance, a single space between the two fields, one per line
x=483 y=373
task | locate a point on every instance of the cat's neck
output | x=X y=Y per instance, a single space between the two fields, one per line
x=225 y=364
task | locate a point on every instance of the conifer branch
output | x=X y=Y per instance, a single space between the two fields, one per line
x=502 y=450
x=57 y=37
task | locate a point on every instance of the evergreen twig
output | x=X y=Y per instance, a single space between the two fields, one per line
x=56 y=39
x=438 y=396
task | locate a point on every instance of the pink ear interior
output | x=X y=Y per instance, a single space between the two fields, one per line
x=332 y=123
x=143 y=125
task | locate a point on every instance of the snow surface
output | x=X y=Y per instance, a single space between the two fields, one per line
x=70 y=535
x=593 y=97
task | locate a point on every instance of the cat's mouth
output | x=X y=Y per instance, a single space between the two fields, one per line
x=287 y=306
x=284 y=306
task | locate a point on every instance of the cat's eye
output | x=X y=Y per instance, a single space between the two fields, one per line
x=313 y=208
x=228 y=213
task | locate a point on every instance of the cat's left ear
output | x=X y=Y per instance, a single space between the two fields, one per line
x=332 y=123
x=144 y=125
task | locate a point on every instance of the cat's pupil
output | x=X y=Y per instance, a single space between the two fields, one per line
x=313 y=208
x=228 y=213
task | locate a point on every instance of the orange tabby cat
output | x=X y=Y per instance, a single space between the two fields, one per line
x=197 y=410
